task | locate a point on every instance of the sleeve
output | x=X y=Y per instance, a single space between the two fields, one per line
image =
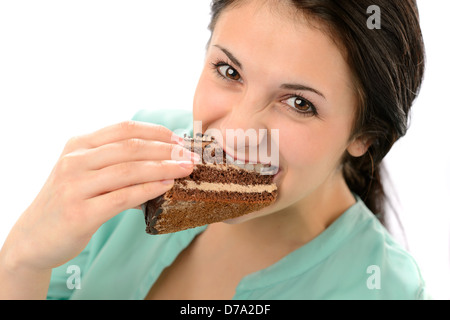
x=61 y=282
x=424 y=294
x=62 y=279
x=179 y=121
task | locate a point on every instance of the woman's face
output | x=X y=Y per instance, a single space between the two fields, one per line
x=267 y=68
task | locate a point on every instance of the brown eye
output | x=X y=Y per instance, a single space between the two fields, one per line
x=229 y=73
x=299 y=103
x=301 y=106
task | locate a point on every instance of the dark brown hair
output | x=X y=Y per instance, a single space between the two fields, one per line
x=388 y=67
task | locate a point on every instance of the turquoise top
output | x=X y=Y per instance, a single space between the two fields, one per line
x=354 y=258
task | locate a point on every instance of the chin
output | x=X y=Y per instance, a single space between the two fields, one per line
x=264 y=211
x=238 y=220
x=249 y=216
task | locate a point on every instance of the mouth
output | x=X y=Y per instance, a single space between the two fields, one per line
x=253 y=163
x=263 y=168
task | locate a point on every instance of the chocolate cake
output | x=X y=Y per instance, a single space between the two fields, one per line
x=218 y=189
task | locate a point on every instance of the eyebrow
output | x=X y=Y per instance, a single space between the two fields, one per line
x=230 y=56
x=300 y=87
x=287 y=86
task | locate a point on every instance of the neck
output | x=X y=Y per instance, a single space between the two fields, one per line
x=294 y=225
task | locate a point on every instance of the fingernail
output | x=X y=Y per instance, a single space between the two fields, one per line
x=179 y=140
x=196 y=157
x=168 y=182
x=185 y=164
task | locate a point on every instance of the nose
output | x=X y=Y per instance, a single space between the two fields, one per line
x=244 y=130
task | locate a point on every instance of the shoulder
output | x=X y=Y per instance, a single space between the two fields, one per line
x=378 y=266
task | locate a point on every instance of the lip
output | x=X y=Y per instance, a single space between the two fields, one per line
x=234 y=159
x=275 y=177
x=267 y=167
x=244 y=160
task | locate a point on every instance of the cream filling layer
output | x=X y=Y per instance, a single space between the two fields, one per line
x=231 y=187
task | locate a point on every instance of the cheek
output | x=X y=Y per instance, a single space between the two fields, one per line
x=314 y=150
x=306 y=148
x=310 y=157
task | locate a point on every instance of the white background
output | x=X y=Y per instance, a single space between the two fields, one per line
x=72 y=67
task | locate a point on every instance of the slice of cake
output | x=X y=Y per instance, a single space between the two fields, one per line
x=215 y=191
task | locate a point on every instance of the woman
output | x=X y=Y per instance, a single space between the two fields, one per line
x=339 y=93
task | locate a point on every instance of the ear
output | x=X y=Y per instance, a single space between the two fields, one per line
x=358 y=147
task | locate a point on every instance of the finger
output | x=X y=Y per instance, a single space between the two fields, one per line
x=110 y=204
x=134 y=150
x=123 y=131
x=133 y=173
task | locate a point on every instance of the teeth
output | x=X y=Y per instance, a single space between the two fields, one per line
x=230 y=159
x=249 y=167
x=239 y=164
x=272 y=170
x=258 y=167
x=264 y=169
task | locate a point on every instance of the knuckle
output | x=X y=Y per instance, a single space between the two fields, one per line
x=127 y=126
x=161 y=166
x=148 y=188
x=118 y=199
x=73 y=143
x=134 y=144
x=65 y=165
x=162 y=130
x=125 y=169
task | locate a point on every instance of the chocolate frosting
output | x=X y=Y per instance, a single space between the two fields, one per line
x=152 y=209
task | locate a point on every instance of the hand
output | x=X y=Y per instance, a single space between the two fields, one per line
x=97 y=176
